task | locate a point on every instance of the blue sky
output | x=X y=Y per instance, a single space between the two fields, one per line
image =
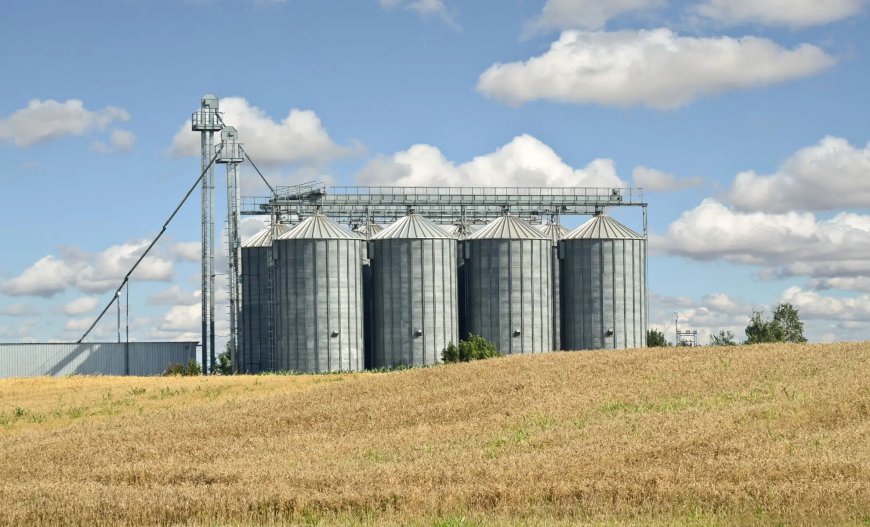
x=744 y=121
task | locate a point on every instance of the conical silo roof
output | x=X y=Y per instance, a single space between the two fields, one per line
x=264 y=237
x=412 y=226
x=319 y=227
x=554 y=231
x=369 y=229
x=508 y=227
x=602 y=227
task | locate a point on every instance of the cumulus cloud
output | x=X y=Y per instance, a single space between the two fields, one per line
x=655 y=68
x=523 y=161
x=832 y=174
x=188 y=251
x=43 y=121
x=81 y=305
x=812 y=305
x=174 y=295
x=120 y=142
x=850 y=283
x=585 y=14
x=424 y=8
x=788 y=244
x=17 y=310
x=88 y=272
x=299 y=137
x=657 y=181
x=793 y=13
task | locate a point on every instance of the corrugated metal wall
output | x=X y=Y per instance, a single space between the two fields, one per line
x=319 y=312
x=603 y=293
x=509 y=290
x=257 y=319
x=92 y=358
x=414 y=300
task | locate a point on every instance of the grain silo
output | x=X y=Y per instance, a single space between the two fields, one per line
x=414 y=293
x=509 y=286
x=257 y=323
x=318 y=280
x=603 y=286
x=555 y=232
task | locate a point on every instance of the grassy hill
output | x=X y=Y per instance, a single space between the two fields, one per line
x=761 y=435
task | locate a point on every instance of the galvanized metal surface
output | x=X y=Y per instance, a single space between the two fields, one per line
x=256 y=324
x=555 y=232
x=603 y=286
x=318 y=286
x=414 y=293
x=509 y=286
x=92 y=358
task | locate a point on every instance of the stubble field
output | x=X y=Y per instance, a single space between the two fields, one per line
x=757 y=435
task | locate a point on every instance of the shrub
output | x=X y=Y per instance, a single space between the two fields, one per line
x=183 y=370
x=656 y=339
x=475 y=348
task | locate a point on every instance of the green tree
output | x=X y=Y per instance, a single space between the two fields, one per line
x=656 y=339
x=224 y=364
x=475 y=348
x=723 y=338
x=784 y=326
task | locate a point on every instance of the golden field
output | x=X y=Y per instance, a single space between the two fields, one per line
x=758 y=435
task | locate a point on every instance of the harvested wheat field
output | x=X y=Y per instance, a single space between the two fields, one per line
x=761 y=435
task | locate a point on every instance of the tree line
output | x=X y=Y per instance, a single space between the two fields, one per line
x=784 y=325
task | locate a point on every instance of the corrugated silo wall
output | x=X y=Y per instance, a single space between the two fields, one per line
x=509 y=287
x=414 y=288
x=255 y=331
x=319 y=313
x=603 y=288
x=557 y=298
x=92 y=358
x=462 y=295
x=368 y=315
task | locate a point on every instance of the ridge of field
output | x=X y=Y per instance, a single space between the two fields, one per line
x=749 y=435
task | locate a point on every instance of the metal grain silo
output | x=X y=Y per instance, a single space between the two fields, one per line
x=603 y=286
x=509 y=286
x=555 y=232
x=414 y=293
x=257 y=323
x=318 y=280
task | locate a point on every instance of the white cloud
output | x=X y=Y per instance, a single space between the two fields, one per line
x=657 y=181
x=17 y=310
x=300 y=136
x=120 y=142
x=78 y=324
x=46 y=277
x=90 y=273
x=788 y=244
x=45 y=120
x=523 y=161
x=81 y=305
x=830 y=175
x=793 y=13
x=656 y=68
x=174 y=295
x=812 y=305
x=188 y=251
x=424 y=8
x=851 y=283
x=585 y=14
